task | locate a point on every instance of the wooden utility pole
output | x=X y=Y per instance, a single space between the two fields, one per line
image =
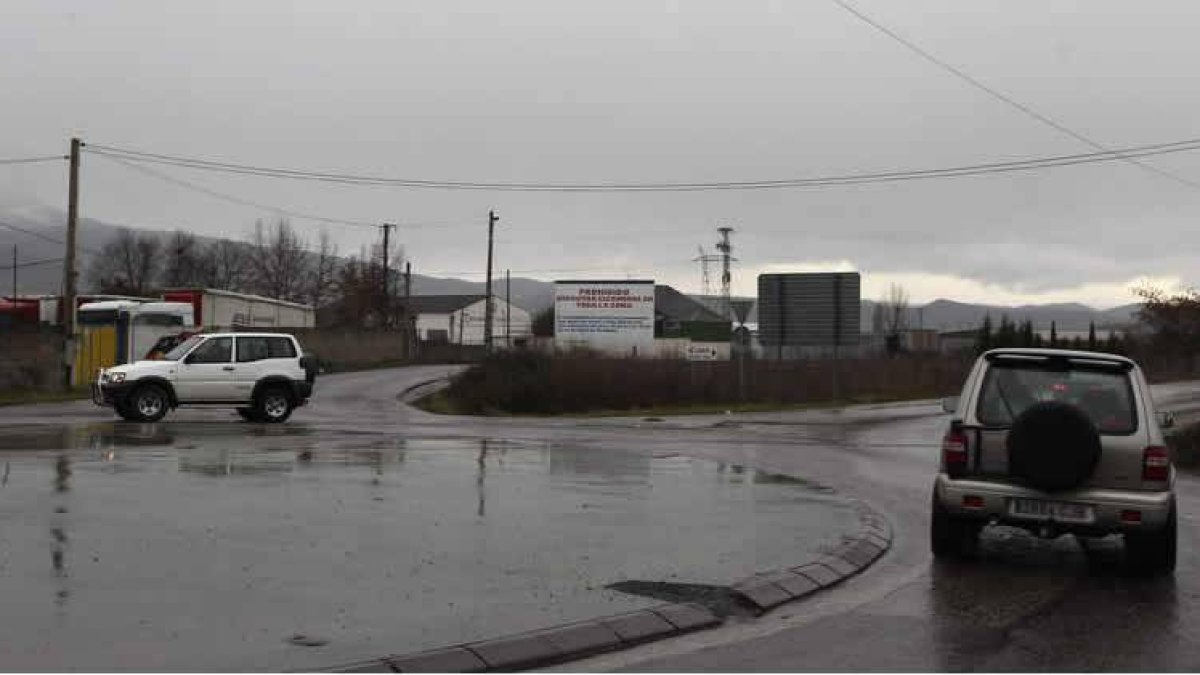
x=69 y=275
x=410 y=321
x=490 y=311
x=387 y=289
x=14 y=295
x=508 y=309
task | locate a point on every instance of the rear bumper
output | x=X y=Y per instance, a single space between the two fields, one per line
x=1106 y=505
x=304 y=390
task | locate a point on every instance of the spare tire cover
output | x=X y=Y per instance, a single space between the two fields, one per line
x=1053 y=446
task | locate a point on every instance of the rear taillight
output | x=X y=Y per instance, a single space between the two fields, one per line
x=954 y=451
x=1156 y=464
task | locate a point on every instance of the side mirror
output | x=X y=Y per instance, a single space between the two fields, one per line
x=950 y=404
x=1166 y=420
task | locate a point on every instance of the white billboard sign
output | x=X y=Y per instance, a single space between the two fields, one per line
x=614 y=317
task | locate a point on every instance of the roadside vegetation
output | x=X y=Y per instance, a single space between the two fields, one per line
x=1185 y=446
x=533 y=383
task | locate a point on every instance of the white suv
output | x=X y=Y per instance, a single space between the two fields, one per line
x=1057 y=442
x=263 y=375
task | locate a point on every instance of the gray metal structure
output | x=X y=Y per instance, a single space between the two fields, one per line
x=807 y=314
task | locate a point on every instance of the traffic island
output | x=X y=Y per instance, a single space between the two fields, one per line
x=547 y=647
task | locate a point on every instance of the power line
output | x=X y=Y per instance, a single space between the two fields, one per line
x=32 y=263
x=33 y=160
x=32 y=233
x=241 y=201
x=44 y=237
x=1101 y=155
x=233 y=199
x=1011 y=102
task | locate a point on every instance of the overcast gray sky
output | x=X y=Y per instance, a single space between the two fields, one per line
x=626 y=91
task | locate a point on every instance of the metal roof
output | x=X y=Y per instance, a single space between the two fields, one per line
x=443 y=304
x=676 y=306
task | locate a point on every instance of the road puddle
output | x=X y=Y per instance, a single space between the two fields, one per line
x=128 y=542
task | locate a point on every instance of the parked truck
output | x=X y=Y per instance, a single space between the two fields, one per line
x=225 y=310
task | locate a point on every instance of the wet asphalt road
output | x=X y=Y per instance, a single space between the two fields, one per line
x=1028 y=605
x=204 y=543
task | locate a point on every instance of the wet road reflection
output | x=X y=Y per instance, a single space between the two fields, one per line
x=190 y=539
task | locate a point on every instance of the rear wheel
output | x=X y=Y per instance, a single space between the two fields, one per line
x=147 y=403
x=951 y=537
x=274 y=404
x=1153 y=552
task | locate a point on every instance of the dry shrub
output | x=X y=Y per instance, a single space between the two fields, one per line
x=541 y=384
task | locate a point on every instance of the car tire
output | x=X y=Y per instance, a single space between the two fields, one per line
x=248 y=414
x=126 y=412
x=273 y=405
x=1154 y=552
x=147 y=403
x=951 y=537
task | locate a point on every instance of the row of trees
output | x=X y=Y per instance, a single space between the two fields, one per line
x=1012 y=334
x=276 y=262
x=1168 y=328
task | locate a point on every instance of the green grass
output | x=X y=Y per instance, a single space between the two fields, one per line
x=25 y=396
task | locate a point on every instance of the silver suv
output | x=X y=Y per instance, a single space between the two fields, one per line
x=1056 y=442
x=264 y=376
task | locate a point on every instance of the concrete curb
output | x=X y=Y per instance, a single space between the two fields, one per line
x=550 y=646
x=407 y=391
x=856 y=553
x=569 y=642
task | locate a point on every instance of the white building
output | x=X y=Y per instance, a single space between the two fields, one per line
x=459 y=320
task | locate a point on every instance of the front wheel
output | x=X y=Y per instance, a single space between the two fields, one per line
x=1154 y=552
x=126 y=412
x=248 y=414
x=147 y=403
x=273 y=405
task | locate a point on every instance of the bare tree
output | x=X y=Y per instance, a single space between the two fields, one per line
x=877 y=318
x=182 y=260
x=224 y=265
x=280 y=263
x=1172 y=319
x=127 y=264
x=895 y=316
x=321 y=280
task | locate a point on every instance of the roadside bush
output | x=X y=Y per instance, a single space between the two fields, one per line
x=526 y=382
x=1185 y=445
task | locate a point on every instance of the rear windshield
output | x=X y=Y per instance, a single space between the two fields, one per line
x=1104 y=395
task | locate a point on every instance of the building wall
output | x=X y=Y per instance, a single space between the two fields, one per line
x=31 y=358
x=466 y=325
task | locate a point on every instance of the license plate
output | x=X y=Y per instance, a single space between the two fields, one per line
x=1064 y=512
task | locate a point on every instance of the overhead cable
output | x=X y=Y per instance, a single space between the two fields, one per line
x=33 y=160
x=1103 y=155
x=1011 y=102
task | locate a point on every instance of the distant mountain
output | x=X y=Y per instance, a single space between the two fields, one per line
x=530 y=294
x=49 y=224
x=951 y=315
x=946 y=315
